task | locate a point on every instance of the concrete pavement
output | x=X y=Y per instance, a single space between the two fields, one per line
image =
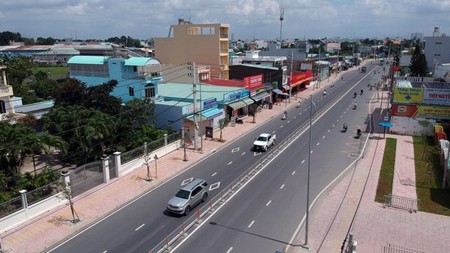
x=331 y=217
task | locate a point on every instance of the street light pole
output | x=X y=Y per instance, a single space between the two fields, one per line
x=306 y=245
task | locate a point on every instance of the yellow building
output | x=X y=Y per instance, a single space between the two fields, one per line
x=204 y=44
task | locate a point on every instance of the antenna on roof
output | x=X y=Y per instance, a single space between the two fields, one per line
x=281 y=21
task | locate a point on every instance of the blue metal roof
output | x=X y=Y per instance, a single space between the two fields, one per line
x=141 y=61
x=88 y=59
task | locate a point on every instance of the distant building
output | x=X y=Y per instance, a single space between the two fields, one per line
x=416 y=36
x=205 y=44
x=55 y=56
x=437 y=51
x=137 y=77
x=6 y=96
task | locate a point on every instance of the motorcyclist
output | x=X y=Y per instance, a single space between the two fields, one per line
x=285 y=115
x=358 y=132
x=362 y=91
x=344 y=127
x=324 y=92
x=355 y=94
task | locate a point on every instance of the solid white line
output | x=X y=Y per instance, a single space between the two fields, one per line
x=268 y=203
x=215 y=173
x=251 y=224
x=281 y=187
x=293 y=172
x=303 y=161
x=230 y=162
x=229 y=250
x=139 y=227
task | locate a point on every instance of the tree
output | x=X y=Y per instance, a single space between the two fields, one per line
x=87 y=131
x=7 y=37
x=43 y=142
x=222 y=124
x=67 y=194
x=418 y=64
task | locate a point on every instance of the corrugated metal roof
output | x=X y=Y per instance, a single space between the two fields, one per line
x=184 y=91
x=141 y=61
x=87 y=59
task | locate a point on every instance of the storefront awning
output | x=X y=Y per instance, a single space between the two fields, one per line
x=248 y=101
x=278 y=91
x=207 y=114
x=260 y=96
x=237 y=105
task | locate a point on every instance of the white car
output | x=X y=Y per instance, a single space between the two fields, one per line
x=264 y=141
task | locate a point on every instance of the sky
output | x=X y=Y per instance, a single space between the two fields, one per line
x=248 y=19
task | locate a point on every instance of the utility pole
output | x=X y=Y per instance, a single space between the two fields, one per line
x=281 y=24
x=290 y=84
x=194 y=95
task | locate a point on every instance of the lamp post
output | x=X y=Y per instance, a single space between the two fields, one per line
x=305 y=245
x=156 y=165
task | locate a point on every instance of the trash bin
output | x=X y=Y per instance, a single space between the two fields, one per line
x=270 y=106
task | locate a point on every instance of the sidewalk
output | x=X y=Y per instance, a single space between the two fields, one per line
x=39 y=234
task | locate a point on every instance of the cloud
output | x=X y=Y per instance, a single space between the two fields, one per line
x=247 y=18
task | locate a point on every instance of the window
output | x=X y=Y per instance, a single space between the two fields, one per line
x=131 y=91
x=196 y=191
x=149 y=91
x=2 y=107
x=135 y=68
x=438 y=43
x=437 y=54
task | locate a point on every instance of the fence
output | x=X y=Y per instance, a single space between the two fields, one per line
x=390 y=248
x=11 y=206
x=43 y=192
x=401 y=202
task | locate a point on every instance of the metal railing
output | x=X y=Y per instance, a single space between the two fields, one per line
x=11 y=206
x=43 y=192
x=390 y=248
x=401 y=202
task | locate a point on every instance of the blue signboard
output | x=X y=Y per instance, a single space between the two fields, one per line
x=235 y=95
x=209 y=103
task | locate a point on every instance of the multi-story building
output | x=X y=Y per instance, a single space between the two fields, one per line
x=436 y=50
x=6 y=95
x=137 y=77
x=205 y=44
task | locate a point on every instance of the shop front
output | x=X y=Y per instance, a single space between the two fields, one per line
x=207 y=116
x=300 y=81
x=237 y=104
x=261 y=97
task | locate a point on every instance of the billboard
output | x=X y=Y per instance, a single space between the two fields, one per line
x=253 y=82
x=436 y=96
x=421 y=111
x=408 y=95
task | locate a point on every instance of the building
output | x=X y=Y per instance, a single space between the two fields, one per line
x=417 y=99
x=205 y=44
x=55 y=56
x=6 y=96
x=137 y=77
x=437 y=51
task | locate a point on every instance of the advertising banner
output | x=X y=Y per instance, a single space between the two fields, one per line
x=300 y=78
x=235 y=95
x=436 y=96
x=421 y=111
x=408 y=95
x=253 y=82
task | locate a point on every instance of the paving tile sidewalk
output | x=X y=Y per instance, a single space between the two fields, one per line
x=38 y=234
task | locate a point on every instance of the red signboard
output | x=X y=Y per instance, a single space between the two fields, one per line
x=253 y=82
x=300 y=78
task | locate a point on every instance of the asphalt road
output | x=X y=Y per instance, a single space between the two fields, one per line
x=143 y=223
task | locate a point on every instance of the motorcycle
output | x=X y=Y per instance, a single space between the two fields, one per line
x=355 y=94
x=344 y=128
x=362 y=91
x=298 y=105
x=284 y=116
x=354 y=106
x=358 y=133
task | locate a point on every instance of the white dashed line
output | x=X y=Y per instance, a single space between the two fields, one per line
x=318 y=144
x=215 y=173
x=281 y=187
x=293 y=172
x=251 y=224
x=243 y=153
x=229 y=250
x=139 y=227
x=230 y=162
x=105 y=251
x=281 y=126
x=329 y=130
x=303 y=161
x=311 y=152
x=268 y=203
x=295 y=117
x=323 y=137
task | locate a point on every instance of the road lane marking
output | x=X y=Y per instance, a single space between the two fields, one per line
x=243 y=153
x=215 y=173
x=187 y=181
x=318 y=144
x=251 y=224
x=311 y=152
x=303 y=161
x=139 y=227
x=281 y=126
x=268 y=203
x=293 y=172
x=288 y=121
x=329 y=129
x=281 y=187
x=214 y=186
x=295 y=117
x=235 y=150
x=229 y=250
x=323 y=137
x=105 y=251
x=230 y=162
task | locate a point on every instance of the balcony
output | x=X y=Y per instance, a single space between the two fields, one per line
x=6 y=91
